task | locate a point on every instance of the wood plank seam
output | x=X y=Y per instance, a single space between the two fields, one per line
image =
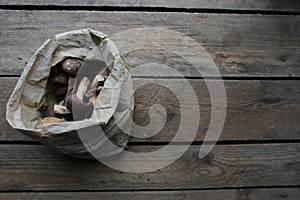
x=146 y=9
x=217 y=194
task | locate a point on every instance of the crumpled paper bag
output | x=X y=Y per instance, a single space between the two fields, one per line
x=112 y=110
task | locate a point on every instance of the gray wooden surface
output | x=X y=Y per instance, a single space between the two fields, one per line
x=256 y=109
x=240 y=45
x=256 y=46
x=34 y=167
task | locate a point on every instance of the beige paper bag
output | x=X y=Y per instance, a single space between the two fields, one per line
x=112 y=110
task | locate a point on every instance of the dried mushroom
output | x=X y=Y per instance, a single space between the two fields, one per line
x=63 y=95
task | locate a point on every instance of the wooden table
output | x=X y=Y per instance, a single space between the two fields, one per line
x=256 y=46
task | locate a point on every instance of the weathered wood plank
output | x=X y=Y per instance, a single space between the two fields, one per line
x=34 y=167
x=257 y=5
x=240 y=45
x=7 y=133
x=249 y=194
x=256 y=109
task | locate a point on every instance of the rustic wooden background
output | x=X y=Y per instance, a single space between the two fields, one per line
x=255 y=44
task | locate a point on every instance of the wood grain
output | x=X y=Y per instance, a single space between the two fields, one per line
x=249 y=194
x=257 y=5
x=34 y=167
x=240 y=45
x=256 y=109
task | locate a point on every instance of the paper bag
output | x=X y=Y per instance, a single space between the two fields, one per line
x=111 y=119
